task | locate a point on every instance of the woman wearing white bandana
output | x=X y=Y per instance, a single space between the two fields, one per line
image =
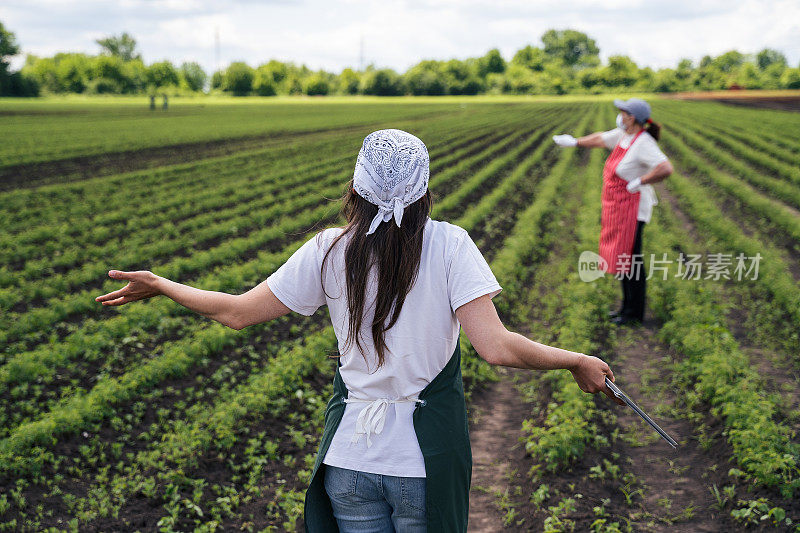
x=395 y=453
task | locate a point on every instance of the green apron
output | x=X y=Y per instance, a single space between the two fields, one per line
x=442 y=431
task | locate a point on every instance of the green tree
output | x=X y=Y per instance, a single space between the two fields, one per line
x=530 y=57
x=192 y=76
x=43 y=71
x=135 y=76
x=72 y=72
x=492 y=62
x=111 y=70
x=768 y=56
x=590 y=78
x=426 y=78
x=263 y=82
x=162 y=74
x=123 y=46
x=749 y=77
x=573 y=47
x=790 y=79
x=729 y=61
x=217 y=79
x=238 y=79
x=316 y=85
x=665 y=81
x=8 y=48
x=382 y=82
x=621 y=71
x=461 y=77
x=771 y=75
x=348 y=82
x=519 y=80
x=684 y=72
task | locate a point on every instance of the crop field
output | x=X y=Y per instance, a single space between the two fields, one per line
x=148 y=417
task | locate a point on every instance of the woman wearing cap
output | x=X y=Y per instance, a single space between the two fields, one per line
x=395 y=453
x=628 y=197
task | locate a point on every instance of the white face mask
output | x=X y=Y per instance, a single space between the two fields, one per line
x=620 y=125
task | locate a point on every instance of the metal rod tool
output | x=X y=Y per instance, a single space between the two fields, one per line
x=624 y=397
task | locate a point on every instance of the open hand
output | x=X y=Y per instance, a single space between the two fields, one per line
x=590 y=375
x=141 y=284
x=565 y=140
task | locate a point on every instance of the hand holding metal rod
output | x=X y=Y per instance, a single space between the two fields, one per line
x=624 y=397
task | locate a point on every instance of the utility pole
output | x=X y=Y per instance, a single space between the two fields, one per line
x=216 y=49
x=361 y=55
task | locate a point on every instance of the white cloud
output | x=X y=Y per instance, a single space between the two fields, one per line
x=398 y=33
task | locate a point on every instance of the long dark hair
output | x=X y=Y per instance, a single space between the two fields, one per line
x=653 y=128
x=395 y=252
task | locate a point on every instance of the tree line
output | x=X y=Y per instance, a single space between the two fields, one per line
x=567 y=62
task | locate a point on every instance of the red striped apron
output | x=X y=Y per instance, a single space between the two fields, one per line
x=618 y=215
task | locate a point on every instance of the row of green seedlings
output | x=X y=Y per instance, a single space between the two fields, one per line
x=569 y=426
x=28 y=360
x=522 y=243
x=168 y=471
x=211 y=232
x=777 y=285
x=778 y=188
x=764 y=147
x=760 y=169
x=527 y=165
x=32 y=204
x=27 y=208
x=755 y=122
x=505 y=264
x=156 y=200
x=573 y=315
x=123 y=384
x=759 y=204
x=719 y=374
x=768 y=214
x=94 y=131
x=206 y=227
x=61 y=308
x=219 y=185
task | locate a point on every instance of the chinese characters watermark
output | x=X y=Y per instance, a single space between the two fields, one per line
x=713 y=266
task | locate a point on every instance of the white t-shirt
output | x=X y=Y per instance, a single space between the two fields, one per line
x=452 y=272
x=637 y=161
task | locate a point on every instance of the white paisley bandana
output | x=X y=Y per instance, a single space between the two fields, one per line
x=392 y=172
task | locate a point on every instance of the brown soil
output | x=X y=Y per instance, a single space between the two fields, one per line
x=675 y=483
x=499 y=461
x=781 y=104
x=757 y=99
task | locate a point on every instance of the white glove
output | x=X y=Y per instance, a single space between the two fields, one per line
x=633 y=185
x=565 y=140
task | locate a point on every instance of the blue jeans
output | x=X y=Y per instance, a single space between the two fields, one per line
x=365 y=502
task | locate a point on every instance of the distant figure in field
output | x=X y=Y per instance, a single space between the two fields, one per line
x=628 y=197
x=395 y=453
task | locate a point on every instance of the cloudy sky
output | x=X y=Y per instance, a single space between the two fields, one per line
x=398 y=33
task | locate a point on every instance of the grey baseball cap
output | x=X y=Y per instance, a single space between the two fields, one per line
x=636 y=107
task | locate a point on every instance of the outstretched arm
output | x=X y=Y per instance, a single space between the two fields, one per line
x=257 y=305
x=593 y=140
x=498 y=346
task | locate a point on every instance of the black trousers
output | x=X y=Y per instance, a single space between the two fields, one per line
x=633 y=286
